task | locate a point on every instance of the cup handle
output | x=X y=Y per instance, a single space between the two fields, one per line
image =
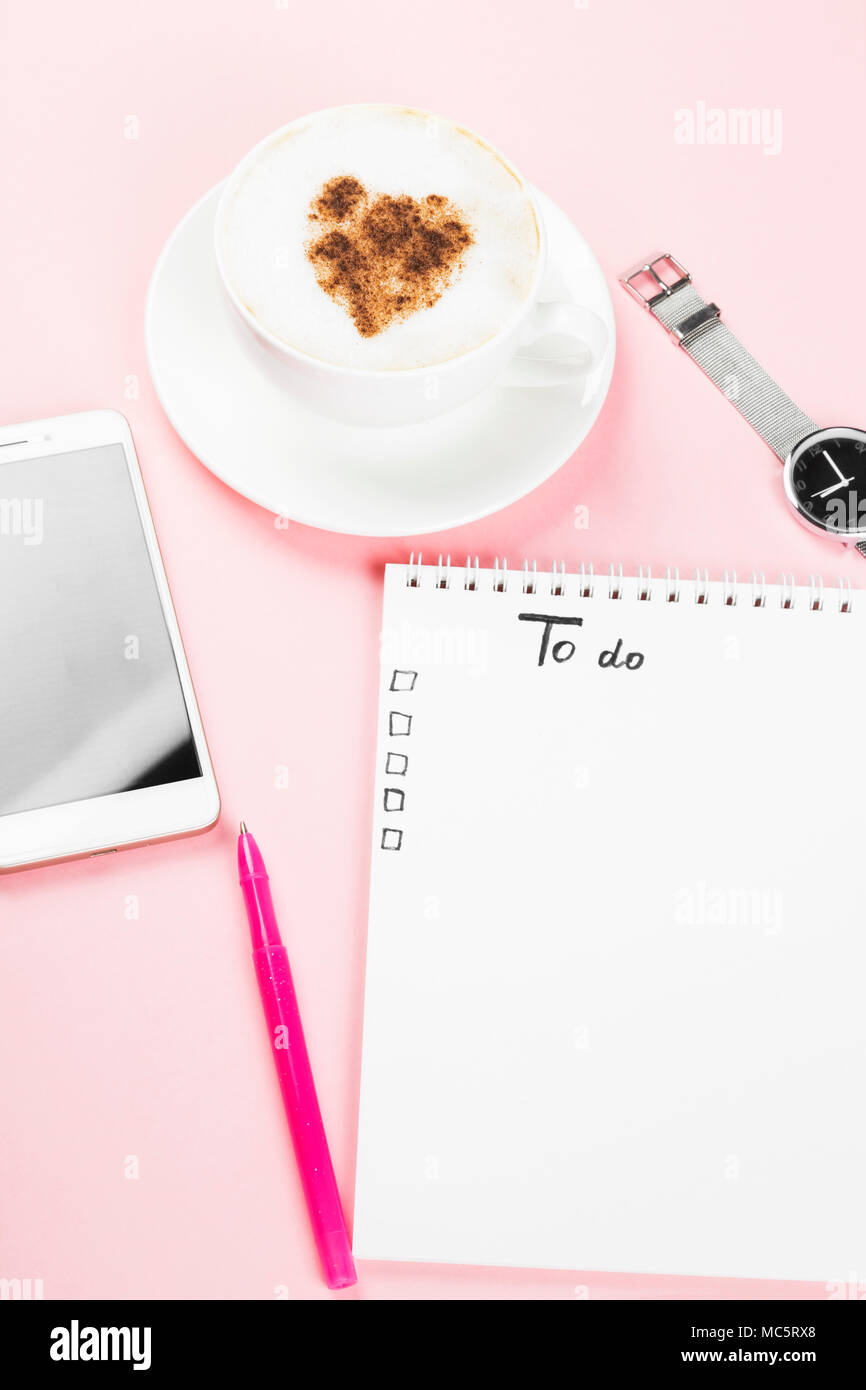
x=560 y=343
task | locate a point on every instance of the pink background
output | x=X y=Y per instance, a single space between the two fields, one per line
x=144 y=1037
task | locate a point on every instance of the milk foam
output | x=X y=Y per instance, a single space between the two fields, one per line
x=265 y=230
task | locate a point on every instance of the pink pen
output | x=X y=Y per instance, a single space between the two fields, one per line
x=293 y=1068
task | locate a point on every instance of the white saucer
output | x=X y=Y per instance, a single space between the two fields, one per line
x=371 y=482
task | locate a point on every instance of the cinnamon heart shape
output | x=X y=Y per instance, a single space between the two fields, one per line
x=382 y=257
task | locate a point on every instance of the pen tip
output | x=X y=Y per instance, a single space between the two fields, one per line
x=243 y=829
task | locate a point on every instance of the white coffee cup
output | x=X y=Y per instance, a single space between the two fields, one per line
x=546 y=342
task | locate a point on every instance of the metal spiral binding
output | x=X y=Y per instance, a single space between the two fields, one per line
x=731 y=593
x=759 y=590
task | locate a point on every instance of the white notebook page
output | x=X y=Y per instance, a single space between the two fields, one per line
x=614 y=1007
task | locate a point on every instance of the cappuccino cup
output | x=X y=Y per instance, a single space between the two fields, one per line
x=385 y=265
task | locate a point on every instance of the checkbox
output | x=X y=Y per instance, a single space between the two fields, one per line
x=403 y=680
x=394 y=799
x=396 y=764
x=399 y=724
x=391 y=839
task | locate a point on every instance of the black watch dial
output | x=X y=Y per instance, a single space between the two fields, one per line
x=825 y=479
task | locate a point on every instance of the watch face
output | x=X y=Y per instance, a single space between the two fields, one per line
x=825 y=480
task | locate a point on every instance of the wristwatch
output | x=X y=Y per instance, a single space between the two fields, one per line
x=824 y=472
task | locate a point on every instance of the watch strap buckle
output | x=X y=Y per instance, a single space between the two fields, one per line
x=655 y=279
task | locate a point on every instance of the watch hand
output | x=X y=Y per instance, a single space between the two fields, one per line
x=832 y=464
x=835 y=487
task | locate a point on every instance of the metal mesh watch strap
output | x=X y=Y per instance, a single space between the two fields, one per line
x=661 y=285
x=734 y=370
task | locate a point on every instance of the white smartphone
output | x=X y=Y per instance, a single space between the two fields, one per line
x=101 y=743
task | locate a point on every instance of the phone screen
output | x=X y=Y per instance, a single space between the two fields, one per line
x=90 y=697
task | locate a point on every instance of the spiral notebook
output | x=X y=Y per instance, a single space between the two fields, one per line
x=614 y=1011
